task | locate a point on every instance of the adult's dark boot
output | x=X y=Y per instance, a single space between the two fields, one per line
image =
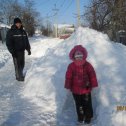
x=20 y=79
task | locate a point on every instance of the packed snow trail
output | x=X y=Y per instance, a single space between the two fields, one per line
x=14 y=109
x=4 y=55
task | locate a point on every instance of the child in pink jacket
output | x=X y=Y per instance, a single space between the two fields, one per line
x=81 y=79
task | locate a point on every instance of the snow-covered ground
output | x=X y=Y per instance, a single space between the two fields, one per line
x=4 y=54
x=42 y=100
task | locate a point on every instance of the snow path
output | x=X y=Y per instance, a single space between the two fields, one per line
x=16 y=110
x=4 y=55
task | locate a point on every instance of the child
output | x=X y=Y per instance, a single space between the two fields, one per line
x=81 y=79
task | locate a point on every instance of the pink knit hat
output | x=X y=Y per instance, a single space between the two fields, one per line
x=78 y=48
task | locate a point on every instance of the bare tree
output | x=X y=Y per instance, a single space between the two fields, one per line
x=106 y=15
x=6 y=10
x=12 y=8
x=29 y=17
x=98 y=14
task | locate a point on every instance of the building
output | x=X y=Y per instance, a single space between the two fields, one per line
x=121 y=36
x=63 y=31
x=3 y=30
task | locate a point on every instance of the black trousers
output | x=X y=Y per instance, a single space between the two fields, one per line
x=83 y=107
x=19 y=62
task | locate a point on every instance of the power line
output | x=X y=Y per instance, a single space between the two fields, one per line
x=61 y=6
x=43 y=3
x=56 y=1
x=50 y=16
x=62 y=3
x=67 y=7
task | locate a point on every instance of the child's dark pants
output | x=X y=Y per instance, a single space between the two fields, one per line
x=83 y=107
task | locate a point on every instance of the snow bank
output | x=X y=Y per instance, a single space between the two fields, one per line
x=40 y=44
x=4 y=55
x=45 y=78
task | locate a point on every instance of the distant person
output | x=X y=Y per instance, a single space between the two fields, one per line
x=80 y=80
x=17 y=41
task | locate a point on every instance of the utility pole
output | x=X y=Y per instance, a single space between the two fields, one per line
x=56 y=22
x=78 y=12
x=47 y=25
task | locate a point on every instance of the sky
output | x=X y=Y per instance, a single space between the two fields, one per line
x=67 y=10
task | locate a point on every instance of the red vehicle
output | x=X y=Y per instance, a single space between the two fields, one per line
x=64 y=36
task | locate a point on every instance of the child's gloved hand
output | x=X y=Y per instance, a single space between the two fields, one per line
x=87 y=86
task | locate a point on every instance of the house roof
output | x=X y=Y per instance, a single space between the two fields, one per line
x=4 y=25
x=64 y=26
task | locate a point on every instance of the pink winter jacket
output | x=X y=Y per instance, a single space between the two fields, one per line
x=78 y=76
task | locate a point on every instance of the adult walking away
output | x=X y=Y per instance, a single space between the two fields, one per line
x=17 y=42
x=81 y=79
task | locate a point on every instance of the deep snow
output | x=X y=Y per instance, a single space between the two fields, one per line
x=42 y=100
x=4 y=54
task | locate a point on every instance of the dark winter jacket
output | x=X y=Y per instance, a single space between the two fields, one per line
x=17 y=40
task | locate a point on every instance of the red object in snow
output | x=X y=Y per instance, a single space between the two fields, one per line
x=64 y=36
